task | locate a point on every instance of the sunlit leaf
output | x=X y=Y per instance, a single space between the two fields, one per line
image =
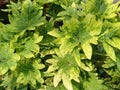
x=110 y=51
x=8 y=59
x=66 y=81
x=76 y=54
x=28 y=18
x=67 y=46
x=87 y=48
x=57 y=78
x=37 y=38
x=55 y=33
x=28 y=72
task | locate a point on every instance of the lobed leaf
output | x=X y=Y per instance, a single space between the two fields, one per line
x=8 y=59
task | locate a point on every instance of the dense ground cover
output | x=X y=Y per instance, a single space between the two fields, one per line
x=60 y=45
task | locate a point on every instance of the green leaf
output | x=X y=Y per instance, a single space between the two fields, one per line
x=115 y=42
x=94 y=40
x=111 y=10
x=31 y=46
x=57 y=78
x=8 y=59
x=28 y=72
x=108 y=1
x=51 y=87
x=95 y=29
x=67 y=46
x=52 y=68
x=37 y=38
x=94 y=83
x=66 y=68
x=69 y=69
x=27 y=54
x=47 y=52
x=118 y=60
x=111 y=42
x=52 y=61
x=88 y=6
x=28 y=16
x=87 y=48
x=77 y=57
x=1 y=24
x=60 y=45
x=84 y=35
x=66 y=82
x=110 y=51
x=55 y=33
x=109 y=63
x=43 y=2
x=9 y=82
x=118 y=63
x=74 y=74
x=38 y=65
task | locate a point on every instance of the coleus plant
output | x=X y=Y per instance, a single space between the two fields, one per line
x=60 y=45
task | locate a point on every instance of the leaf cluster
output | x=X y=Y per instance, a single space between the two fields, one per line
x=60 y=45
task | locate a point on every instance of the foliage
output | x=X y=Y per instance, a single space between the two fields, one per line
x=60 y=45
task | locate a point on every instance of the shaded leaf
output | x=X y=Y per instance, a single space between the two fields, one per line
x=94 y=83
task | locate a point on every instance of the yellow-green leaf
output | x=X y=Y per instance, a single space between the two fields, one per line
x=57 y=78
x=87 y=49
x=67 y=82
x=76 y=55
x=110 y=51
x=116 y=41
x=55 y=33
